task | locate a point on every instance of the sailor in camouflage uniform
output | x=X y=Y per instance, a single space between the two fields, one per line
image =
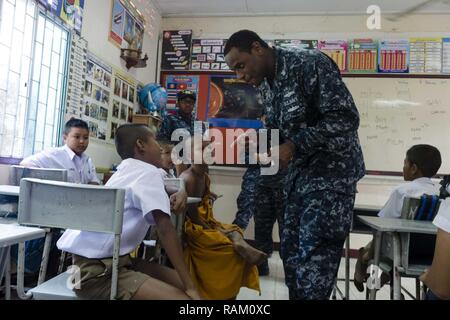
x=246 y=199
x=183 y=119
x=318 y=122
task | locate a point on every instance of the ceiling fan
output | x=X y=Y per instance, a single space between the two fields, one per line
x=413 y=9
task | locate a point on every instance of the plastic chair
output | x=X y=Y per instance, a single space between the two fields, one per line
x=52 y=204
x=16 y=173
x=417 y=250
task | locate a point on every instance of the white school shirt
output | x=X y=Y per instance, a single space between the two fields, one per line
x=442 y=219
x=415 y=188
x=80 y=169
x=144 y=193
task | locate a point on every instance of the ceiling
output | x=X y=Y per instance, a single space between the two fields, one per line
x=192 y=8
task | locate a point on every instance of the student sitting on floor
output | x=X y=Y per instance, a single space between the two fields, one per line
x=146 y=204
x=421 y=163
x=71 y=156
x=437 y=278
x=219 y=259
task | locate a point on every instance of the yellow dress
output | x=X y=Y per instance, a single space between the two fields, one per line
x=216 y=269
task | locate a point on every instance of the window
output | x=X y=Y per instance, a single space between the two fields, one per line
x=33 y=57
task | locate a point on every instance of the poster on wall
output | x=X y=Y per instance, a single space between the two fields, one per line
x=425 y=55
x=233 y=103
x=393 y=56
x=362 y=55
x=336 y=50
x=176 y=49
x=69 y=11
x=97 y=96
x=176 y=83
x=295 y=43
x=446 y=55
x=207 y=55
x=76 y=77
x=127 y=26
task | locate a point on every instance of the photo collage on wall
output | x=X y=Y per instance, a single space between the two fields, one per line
x=97 y=95
x=123 y=99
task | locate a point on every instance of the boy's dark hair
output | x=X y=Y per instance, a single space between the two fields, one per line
x=75 y=123
x=126 y=137
x=427 y=158
x=242 y=40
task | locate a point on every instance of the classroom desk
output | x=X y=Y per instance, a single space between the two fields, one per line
x=11 y=234
x=394 y=227
x=8 y=190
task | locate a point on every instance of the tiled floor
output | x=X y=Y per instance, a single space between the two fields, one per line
x=273 y=287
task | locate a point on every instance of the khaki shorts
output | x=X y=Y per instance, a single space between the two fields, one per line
x=96 y=278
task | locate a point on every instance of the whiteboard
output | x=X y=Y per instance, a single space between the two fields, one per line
x=396 y=113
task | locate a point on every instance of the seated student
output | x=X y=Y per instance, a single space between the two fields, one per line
x=146 y=204
x=71 y=156
x=80 y=169
x=437 y=278
x=166 y=158
x=421 y=163
x=218 y=258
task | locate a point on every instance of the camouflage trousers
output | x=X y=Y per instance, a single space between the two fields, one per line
x=269 y=208
x=245 y=200
x=315 y=228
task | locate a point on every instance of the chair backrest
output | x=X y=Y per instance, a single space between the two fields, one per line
x=177 y=219
x=66 y=205
x=419 y=248
x=18 y=172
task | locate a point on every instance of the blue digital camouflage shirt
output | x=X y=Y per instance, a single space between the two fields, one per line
x=311 y=106
x=171 y=122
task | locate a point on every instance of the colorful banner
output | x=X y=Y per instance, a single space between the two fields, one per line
x=174 y=84
x=393 y=56
x=208 y=55
x=69 y=11
x=362 y=55
x=336 y=50
x=127 y=26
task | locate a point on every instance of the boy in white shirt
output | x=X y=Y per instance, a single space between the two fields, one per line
x=437 y=278
x=146 y=204
x=421 y=163
x=80 y=169
x=71 y=156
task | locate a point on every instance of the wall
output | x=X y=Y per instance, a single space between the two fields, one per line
x=291 y=27
x=307 y=27
x=96 y=26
